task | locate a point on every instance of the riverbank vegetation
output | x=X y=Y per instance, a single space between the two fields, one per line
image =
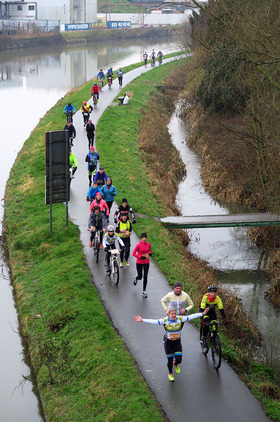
x=233 y=100
x=60 y=310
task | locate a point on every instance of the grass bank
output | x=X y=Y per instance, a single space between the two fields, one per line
x=83 y=369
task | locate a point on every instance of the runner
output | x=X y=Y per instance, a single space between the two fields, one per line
x=172 y=337
x=142 y=252
x=177 y=299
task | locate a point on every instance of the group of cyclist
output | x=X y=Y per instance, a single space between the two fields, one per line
x=110 y=76
x=153 y=57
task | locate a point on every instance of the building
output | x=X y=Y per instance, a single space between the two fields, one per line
x=65 y=11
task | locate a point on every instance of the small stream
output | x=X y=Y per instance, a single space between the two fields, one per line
x=238 y=261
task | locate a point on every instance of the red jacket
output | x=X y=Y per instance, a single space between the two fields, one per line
x=95 y=89
x=141 y=249
x=102 y=204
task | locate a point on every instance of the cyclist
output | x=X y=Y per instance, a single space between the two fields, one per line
x=69 y=110
x=172 y=337
x=95 y=91
x=120 y=74
x=92 y=159
x=93 y=191
x=124 y=228
x=210 y=299
x=142 y=253
x=71 y=132
x=109 y=243
x=73 y=163
x=101 y=203
x=110 y=72
x=90 y=128
x=86 y=109
x=109 y=192
x=160 y=56
x=145 y=57
x=100 y=177
x=96 y=222
x=178 y=299
x=124 y=208
x=101 y=76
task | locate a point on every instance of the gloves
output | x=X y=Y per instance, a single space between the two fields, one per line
x=225 y=321
x=87 y=199
x=202 y=322
x=115 y=220
x=134 y=221
x=143 y=258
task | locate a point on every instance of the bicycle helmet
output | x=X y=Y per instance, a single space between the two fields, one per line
x=69 y=104
x=84 y=102
x=110 y=228
x=212 y=288
x=95 y=84
x=92 y=148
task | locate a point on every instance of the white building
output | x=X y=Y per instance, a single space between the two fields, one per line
x=66 y=11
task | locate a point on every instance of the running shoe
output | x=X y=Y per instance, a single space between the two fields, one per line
x=90 y=244
x=121 y=264
x=135 y=281
x=144 y=294
x=127 y=263
x=100 y=246
x=171 y=377
x=177 y=368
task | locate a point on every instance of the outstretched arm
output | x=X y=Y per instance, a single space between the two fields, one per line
x=137 y=318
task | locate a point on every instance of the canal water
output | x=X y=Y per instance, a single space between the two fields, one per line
x=31 y=82
x=239 y=262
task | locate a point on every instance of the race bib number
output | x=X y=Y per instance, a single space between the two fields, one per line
x=174 y=336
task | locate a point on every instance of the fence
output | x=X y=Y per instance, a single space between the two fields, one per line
x=12 y=26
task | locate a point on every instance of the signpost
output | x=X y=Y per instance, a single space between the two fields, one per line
x=57 y=181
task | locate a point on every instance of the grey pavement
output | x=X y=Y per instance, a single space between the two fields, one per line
x=200 y=391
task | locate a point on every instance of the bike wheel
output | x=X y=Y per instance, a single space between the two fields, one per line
x=96 y=251
x=216 y=351
x=116 y=274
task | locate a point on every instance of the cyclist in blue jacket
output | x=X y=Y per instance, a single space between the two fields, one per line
x=101 y=76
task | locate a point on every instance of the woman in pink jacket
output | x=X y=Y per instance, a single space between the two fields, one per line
x=101 y=204
x=142 y=252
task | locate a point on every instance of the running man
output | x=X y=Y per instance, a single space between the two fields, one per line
x=178 y=300
x=172 y=337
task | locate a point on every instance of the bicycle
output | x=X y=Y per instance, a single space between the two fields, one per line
x=113 y=265
x=94 y=100
x=69 y=116
x=109 y=81
x=213 y=342
x=96 y=245
x=100 y=84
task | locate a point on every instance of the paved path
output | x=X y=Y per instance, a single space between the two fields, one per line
x=199 y=392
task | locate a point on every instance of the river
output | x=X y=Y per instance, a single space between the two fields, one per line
x=239 y=262
x=31 y=82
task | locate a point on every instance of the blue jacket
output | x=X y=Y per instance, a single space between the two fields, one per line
x=110 y=193
x=92 y=192
x=100 y=75
x=67 y=108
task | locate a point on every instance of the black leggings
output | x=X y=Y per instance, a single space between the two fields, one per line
x=173 y=350
x=109 y=203
x=126 y=251
x=139 y=268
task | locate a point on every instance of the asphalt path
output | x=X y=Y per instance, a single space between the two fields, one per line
x=200 y=391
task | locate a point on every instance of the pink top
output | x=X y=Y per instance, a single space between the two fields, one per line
x=141 y=249
x=102 y=204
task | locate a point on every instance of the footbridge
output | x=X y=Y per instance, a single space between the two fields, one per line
x=223 y=220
